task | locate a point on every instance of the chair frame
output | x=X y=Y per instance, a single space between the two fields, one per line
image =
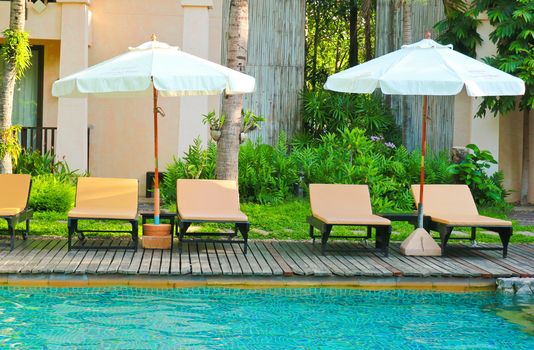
x=382 y=233
x=14 y=220
x=445 y=230
x=72 y=224
x=239 y=226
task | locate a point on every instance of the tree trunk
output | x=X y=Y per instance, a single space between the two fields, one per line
x=315 y=44
x=353 y=29
x=407 y=22
x=228 y=144
x=7 y=90
x=366 y=6
x=526 y=157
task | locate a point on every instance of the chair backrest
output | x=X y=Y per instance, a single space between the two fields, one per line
x=14 y=190
x=104 y=193
x=446 y=199
x=340 y=199
x=206 y=196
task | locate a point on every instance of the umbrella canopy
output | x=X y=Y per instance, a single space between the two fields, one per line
x=169 y=70
x=425 y=68
x=151 y=68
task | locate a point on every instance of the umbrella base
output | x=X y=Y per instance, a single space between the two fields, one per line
x=420 y=243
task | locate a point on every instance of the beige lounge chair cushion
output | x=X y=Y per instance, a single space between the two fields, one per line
x=106 y=198
x=453 y=205
x=343 y=205
x=14 y=191
x=208 y=200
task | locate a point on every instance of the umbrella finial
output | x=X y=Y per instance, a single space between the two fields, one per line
x=427 y=35
x=153 y=37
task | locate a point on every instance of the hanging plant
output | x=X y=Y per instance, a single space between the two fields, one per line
x=16 y=48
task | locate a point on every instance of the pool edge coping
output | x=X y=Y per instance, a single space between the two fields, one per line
x=450 y=284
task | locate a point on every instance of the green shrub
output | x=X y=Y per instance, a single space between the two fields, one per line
x=35 y=163
x=487 y=190
x=267 y=174
x=329 y=112
x=197 y=163
x=50 y=193
x=270 y=174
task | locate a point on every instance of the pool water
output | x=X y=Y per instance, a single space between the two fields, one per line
x=284 y=318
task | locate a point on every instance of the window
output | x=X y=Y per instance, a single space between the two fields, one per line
x=28 y=99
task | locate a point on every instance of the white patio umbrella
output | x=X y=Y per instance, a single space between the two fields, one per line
x=425 y=68
x=151 y=68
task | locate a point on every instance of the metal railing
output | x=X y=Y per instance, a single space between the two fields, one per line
x=43 y=139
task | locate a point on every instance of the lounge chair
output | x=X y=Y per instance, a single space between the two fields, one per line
x=104 y=199
x=216 y=201
x=450 y=206
x=14 y=197
x=345 y=205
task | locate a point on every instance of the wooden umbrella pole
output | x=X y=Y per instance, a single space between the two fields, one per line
x=423 y=153
x=156 y=171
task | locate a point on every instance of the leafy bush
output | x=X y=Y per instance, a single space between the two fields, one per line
x=35 y=163
x=267 y=174
x=197 y=163
x=329 y=112
x=487 y=190
x=50 y=193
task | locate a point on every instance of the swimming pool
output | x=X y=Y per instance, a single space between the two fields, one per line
x=284 y=318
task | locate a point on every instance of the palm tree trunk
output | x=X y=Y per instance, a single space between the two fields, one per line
x=7 y=90
x=526 y=157
x=353 y=29
x=366 y=7
x=228 y=144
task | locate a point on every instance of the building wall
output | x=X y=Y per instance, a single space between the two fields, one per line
x=121 y=143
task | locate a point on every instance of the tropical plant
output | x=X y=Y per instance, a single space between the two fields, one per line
x=9 y=144
x=214 y=122
x=35 y=163
x=16 y=53
x=328 y=112
x=228 y=144
x=251 y=121
x=487 y=190
x=197 y=163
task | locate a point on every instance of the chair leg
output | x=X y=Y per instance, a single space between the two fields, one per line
x=311 y=234
x=324 y=237
x=383 y=235
x=27 y=231
x=244 y=228
x=444 y=234
x=71 y=228
x=135 y=232
x=473 y=236
x=11 y=230
x=505 y=234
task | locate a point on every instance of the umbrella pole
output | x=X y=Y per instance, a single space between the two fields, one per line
x=156 y=172
x=423 y=153
x=419 y=242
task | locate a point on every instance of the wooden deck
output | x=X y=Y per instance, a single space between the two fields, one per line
x=265 y=258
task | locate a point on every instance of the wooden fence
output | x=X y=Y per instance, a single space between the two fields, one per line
x=440 y=125
x=276 y=59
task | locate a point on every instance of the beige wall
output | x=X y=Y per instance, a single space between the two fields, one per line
x=503 y=135
x=122 y=129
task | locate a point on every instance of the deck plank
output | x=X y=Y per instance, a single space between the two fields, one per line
x=265 y=260
x=213 y=259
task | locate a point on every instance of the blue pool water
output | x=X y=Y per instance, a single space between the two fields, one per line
x=306 y=318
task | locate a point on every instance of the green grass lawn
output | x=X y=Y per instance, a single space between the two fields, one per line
x=286 y=220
